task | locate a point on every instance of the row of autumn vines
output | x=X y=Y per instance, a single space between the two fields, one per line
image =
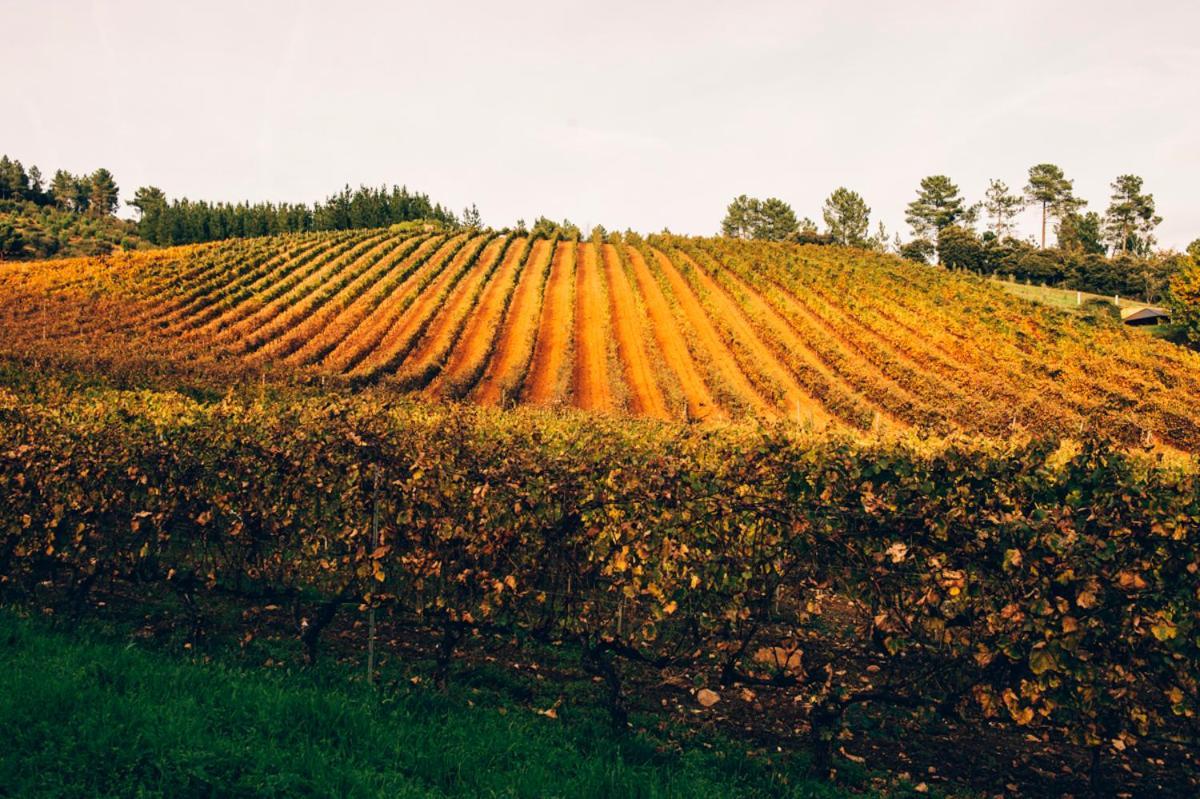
x=669 y=327
x=1050 y=587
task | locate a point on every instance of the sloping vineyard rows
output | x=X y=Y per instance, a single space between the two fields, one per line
x=664 y=327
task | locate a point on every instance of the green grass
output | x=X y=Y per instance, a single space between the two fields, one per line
x=1067 y=299
x=86 y=713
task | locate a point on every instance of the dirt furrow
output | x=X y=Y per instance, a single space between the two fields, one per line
x=338 y=328
x=307 y=320
x=479 y=335
x=440 y=338
x=134 y=300
x=708 y=339
x=796 y=348
x=241 y=337
x=798 y=404
x=590 y=389
x=188 y=308
x=308 y=300
x=370 y=331
x=646 y=398
x=700 y=403
x=233 y=311
x=407 y=331
x=554 y=338
x=514 y=349
x=846 y=358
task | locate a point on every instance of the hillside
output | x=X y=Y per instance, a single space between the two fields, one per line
x=666 y=327
x=29 y=231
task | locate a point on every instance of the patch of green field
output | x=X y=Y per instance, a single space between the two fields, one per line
x=86 y=713
x=1068 y=299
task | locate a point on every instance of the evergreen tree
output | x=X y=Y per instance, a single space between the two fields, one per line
x=741 y=218
x=960 y=248
x=545 y=228
x=14 y=183
x=81 y=197
x=847 y=217
x=149 y=202
x=918 y=250
x=11 y=241
x=776 y=220
x=63 y=189
x=102 y=197
x=1081 y=233
x=470 y=217
x=750 y=218
x=1049 y=187
x=938 y=205
x=147 y=199
x=1130 y=220
x=37 y=190
x=879 y=242
x=1002 y=208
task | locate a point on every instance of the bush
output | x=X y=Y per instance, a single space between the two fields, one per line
x=959 y=248
x=918 y=250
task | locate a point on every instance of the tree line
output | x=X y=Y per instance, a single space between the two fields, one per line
x=69 y=214
x=94 y=193
x=188 y=221
x=182 y=221
x=1113 y=253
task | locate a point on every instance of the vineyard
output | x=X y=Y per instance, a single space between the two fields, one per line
x=663 y=327
x=905 y=498
x=1054 y=591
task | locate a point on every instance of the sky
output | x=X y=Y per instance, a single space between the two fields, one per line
x=642 y=115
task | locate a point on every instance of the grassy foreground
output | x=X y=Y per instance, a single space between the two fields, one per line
x=87 y=714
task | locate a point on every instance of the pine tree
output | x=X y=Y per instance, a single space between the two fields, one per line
x=37 y=191
x=1081 y=233
x=879 y=242
x=150 y=202
x=63 y=188
x=14 y=183
x=147 y=199
x=741 y=218
x=102 y=197
x=81 y=197
x=1130 y=220
x=776 y=220
x=1002 y=208
x=847 y=217
x=938 y=205
x=1049 y=187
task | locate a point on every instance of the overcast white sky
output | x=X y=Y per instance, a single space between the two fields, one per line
x=639 y=115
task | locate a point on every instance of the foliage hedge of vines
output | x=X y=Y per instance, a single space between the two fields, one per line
x=1050 y=586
